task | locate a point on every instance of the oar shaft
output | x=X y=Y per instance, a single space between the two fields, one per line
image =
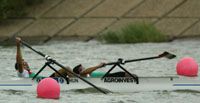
x=165 y=54
x=141 y=59
x=134 y=60
x=27 y=45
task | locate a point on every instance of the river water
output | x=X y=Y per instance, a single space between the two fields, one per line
x=91 y=53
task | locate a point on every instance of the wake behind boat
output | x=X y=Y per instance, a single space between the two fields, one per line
x=114 y=84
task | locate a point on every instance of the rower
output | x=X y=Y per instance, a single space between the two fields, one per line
x=21 y=66
x=79 y=69
x=90 y=72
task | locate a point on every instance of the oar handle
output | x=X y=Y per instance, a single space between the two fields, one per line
x=119 y=61
x=110 y=63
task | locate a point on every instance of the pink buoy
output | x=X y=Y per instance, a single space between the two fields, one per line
x=48 y=88
x=187 y=67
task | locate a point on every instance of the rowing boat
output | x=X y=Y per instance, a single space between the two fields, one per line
x=114 y=84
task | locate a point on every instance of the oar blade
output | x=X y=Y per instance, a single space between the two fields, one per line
x=167 y=55
x=170 y=56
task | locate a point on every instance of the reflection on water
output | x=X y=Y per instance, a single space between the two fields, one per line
x=92 y=53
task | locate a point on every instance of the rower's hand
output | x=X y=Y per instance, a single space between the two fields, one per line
x=101 y=65
x=18 y=39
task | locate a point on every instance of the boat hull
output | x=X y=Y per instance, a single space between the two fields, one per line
x=114 y=84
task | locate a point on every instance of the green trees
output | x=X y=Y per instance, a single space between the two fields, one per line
x=14 y=8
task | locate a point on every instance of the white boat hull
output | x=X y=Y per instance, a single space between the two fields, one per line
x=120 y=84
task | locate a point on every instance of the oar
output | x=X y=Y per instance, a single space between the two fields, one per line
x=48 y=58
x=164 y=54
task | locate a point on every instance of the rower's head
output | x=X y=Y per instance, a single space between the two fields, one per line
x=16 y=66
x=77 y=69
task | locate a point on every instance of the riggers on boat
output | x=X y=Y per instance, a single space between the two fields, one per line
x=114 y=84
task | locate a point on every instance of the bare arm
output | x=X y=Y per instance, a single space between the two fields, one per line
x=91 y=69
x=19 y=58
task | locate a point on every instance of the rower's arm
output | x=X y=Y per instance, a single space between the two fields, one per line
x=19 y=58
x=91 y=69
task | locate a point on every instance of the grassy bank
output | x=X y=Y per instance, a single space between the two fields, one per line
x=134 y=33
x=15 y=8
